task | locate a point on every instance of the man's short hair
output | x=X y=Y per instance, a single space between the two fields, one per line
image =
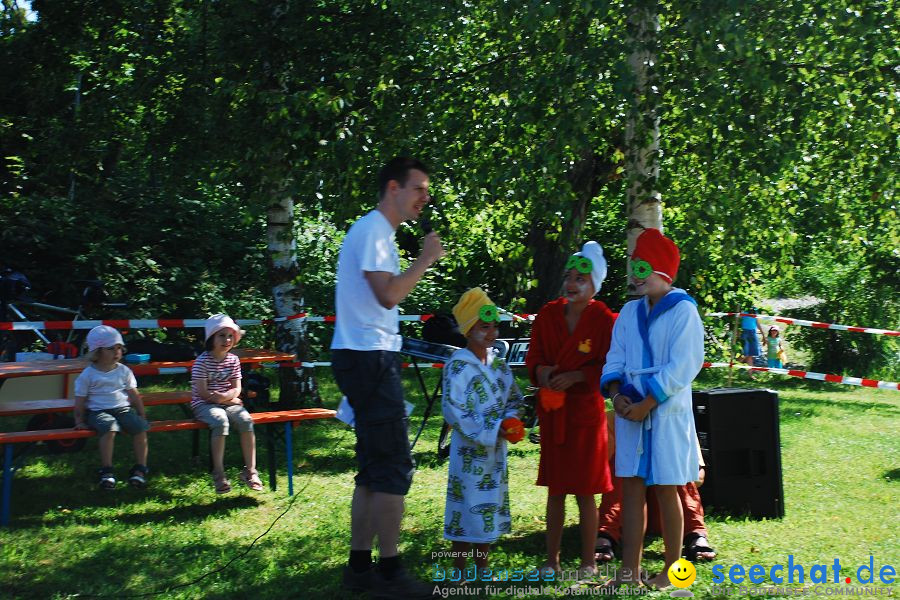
x=397 y=169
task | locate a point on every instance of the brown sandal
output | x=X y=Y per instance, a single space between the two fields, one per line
x=604 y=550
x=223 y=486
x=250 y=477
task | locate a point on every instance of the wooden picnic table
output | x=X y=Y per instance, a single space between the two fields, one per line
x=288 y=417
x=35 y=368
x=68 y=367
x=58 y=405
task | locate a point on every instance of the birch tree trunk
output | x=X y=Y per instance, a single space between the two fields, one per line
x=298 y=386
x=643 y=200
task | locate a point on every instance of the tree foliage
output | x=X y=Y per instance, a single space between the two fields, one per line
x=145 y=143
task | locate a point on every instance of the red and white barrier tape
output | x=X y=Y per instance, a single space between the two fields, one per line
x=134 y=323
x=860 y=381
x=805 y=323
x=504 y=316
x=198 y=323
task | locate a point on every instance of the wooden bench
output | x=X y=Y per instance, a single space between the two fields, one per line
x=288 y=417
x=61 y=405
x=48 y=414
x=65 y=405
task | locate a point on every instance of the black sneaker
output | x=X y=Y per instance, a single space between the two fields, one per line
x=358 y=582
x=107 y=481
x=137 y=476
x=402 y=586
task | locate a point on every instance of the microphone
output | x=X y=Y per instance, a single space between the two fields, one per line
x=426 y=223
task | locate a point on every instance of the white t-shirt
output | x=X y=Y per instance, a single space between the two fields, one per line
x=105 y=390
x=362 y=323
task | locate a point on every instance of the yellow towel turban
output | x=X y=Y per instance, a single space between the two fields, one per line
x=467 y=310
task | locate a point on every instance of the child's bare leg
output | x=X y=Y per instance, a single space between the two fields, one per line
x=139 y=442
x=248 y=448
x=556 y=515
x=460 y=549
x=672 y=530
x=587 y=526
x=634 y=523
x=217 y=453
x=106 y=443
x=481 y=555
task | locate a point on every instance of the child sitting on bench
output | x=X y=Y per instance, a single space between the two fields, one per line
x=215 y=389
x=107 y=401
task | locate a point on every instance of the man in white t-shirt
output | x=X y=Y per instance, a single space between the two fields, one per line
x=366 y=367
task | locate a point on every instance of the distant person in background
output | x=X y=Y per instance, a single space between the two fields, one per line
x=749 y=341
x=107 y=401
x=569 y=341
x=366 y=364
x=775 y=349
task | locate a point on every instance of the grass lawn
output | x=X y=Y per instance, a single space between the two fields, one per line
x=840 y=457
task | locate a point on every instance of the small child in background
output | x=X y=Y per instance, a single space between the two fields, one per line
x=215 y=389
x=775 y=349
x=481 y=402
x=107 y=401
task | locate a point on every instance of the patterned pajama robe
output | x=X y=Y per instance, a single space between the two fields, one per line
x=476 y=398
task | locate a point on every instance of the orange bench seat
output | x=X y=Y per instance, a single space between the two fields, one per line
x=288 y=417
x=58 y=405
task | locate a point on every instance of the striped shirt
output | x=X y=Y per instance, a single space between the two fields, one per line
x=217 y=374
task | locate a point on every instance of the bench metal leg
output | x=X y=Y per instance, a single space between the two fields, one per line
x=7 y=484
x=270 y=451
x=289 y=448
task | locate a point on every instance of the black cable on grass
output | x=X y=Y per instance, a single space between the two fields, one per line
x=226 y=565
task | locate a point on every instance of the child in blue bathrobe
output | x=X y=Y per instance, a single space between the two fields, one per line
x=655 y=354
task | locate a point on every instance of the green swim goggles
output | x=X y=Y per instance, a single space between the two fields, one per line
x=582 y=264
x=641 y=269
x=488 y=313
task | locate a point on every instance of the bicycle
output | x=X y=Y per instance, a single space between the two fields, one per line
x=14 y=289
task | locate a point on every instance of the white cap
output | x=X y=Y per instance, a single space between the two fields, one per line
x=103 y=336
x=594 y=252
x=220 y=321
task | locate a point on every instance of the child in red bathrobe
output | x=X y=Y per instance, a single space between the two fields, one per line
x=569 y=341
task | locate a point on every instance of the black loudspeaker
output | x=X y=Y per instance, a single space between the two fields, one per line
x=741 y=445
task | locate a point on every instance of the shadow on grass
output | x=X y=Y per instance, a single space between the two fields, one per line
x=194 y=570
x=337 y=460
x=892 y=475
x=41 y=498
x=533 y=545
x=193 y=511
x=428 y=458
x=324 y=584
